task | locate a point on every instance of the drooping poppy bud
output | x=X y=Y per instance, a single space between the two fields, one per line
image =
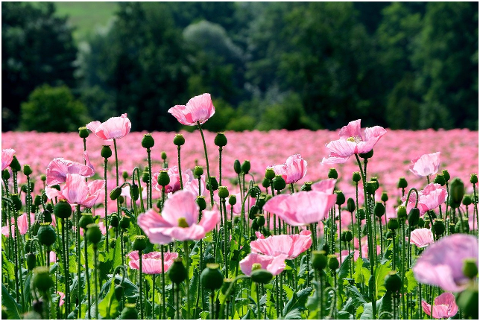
x=457 y=190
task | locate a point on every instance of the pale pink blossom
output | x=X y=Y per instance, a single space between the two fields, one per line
x=273 y=264
x=301 y=208
x=7 y=157
x=179 y=220
x=58 y=169
x=353 y=141
x=113 y=128
x=421 y=237
x=441 y=264
x=425 y=165
x=290 y=245
x=444 y=306
x=431 y=197
x=62 y=297
x=294 y=169
x=152 y=262
x=198 y=110
x=22 y=225
x=78 y=192
x=325 y=186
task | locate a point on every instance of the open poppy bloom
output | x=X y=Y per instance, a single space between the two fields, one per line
x=444 y=306
x=442 y=262
x=78 y=192
x=58 y=169
x=273 y=264
x=152 y=262
x=113 y=128
x=198 y=110
x=431 y=197
x=179 y=220
x=421 y=237
x=353 y=141
x=291 y=245
x=7 y=157
x=294 y=169
x=425 y=165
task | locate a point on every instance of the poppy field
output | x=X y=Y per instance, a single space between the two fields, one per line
x=358 y=223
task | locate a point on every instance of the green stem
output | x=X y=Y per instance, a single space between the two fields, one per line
x=163 y=283
x=105 y=204
x=77 y=243
x=96 y=278
x=85 y=245
x=149 y=191
x=185 y=246
x=206 y=160
x=180 y=168
x=140 y=281
x=220 y=165
x=259 y=314
x=153 y=295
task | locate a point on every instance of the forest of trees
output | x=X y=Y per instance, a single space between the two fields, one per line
x=402 y=65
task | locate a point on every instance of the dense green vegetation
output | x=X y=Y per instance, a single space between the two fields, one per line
x=287 y=65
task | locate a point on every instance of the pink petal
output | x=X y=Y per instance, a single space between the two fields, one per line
x=7 y=157
x=425 y=165
x=114 y=128
x=326 y=186
x=353 y=129
x=421 y=237
x=181 y=205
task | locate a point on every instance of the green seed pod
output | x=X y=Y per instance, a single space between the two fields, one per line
x=106 y=151
x=46 y=234
x=212 y=184
x=306 y=187
x=261 y=276
x=392 y=224
x=333 y=263
x=15 y=165
x=163 y=155
x=220 y=140
x=356 y=177
x=474 y=179
x=85 y=220
x=177 y=272
x=198 y=171
x=467 y=200
x=402 y=183
x=179 y=140
x=350 y=205
x=319 y=260
x=246 y=166
x=348 y=236
x=17 y=202
x=62 y=209
x=340 y=197
x=115 y=193
x=237 y=167
x=148 y=141
x=260 y=220
x=468 y=303
x=226 y=284
x=139 y=243
x=366 y=155
x=379 y=210
x=269 y=173
x=145 y=176
x=94 y=235
x=129 y=312
x=6 y=174
x=163 y=178
x=124 y=175
x=119 y=291
x=255 y=227
x=27 y=170
x=430 y=215
x=439 y=179
x=413 y=217
x=114 y=220
x=332 y=173
x=261 y=200
x=457 y=190
x=438 y=227
x=83 y=132
x=124 y=222
x=371 y=187
x=253 y=212
x=446 y=175
x=31 y=261
x=223 y=192
x=402 y=213
x=49 y=208
x=279 y=183
x=384 y=197
x=41 y=279
x=232 y=200
x=361 y=214
x=393 y=282
x=134 y=192
x=211 y=277
x=265 y=183
x=202 y=204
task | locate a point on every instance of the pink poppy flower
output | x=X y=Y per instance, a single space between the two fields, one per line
x=113 y=128
x=62 y=297
x=301 y=208
x=294 y=169
x=290 y=245
x=325 y=186
x=174 y=185
x=444 y=306
x=421 y=237
x=53 y=257
x=442 y=262
x=7 y=157
x=58 y=169
x=273 y=264
x=152 y=262
x=22 y=225
x=353 y=141
x=78 y=192
x=198 y=109
x=425 y=165
x=179 y=220
x=431 y=197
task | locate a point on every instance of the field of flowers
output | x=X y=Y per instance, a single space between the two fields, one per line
x=278 y=226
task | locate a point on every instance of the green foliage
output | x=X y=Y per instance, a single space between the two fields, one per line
x=52 y=109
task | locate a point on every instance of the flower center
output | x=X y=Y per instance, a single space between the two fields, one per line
x=182 y=222
x=355 y=139
x=256 y=266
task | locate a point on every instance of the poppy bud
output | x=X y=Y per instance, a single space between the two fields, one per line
x=124 y=222
x=220 y=140
x=446 y=175
x=265 y=182
x=83 y=132
x=246 y=167
x=114 y=220
x=332 y=173
x=139 y=243
x=333 y=263
x=211 y=277
x=129 y=312
x=198 y=171
x=470 y=269
x=202 y=204
x=457 y=190
x=146 y=176
x=179 y=140
x=340 y=197
x=15 y=165
x=348 y=236
x=474 y=179
x=43 y=177
x=438 y=227
x=134 y=192
x=237 y=167
x=379 y=210
x=6 y=174
x=402 y=183
x=402 y=213
x=260 y=220
x=366 y=155
x=119 y=291
x=393 y=282
x=212 y=184
x=413 y=216
x=306 y=187
x=467 y=301
x=115 y=193
x=124 y=175
x=384 y=197
x=86 y=220
x=356 y=177
x=41 y=279
x=319 y=260
x=361 y=214
x=269 y=173
x=106 y=151
x=94 y=235
x=226 y=284
x=261 y=200
x=467 y=200
x=17 y=202
x=148 y=141
x=177 y=272
x=261 y=276
x=223 y=192
x=62 y=209
x=279 y=183
x=27 y=170
x=253 y=212
x=371 y=187
x=46 y=234
x=232 y=200
x=37 y=200
x=439 y=179
x=163 y=178
x=350 y=205
x=31 y=261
